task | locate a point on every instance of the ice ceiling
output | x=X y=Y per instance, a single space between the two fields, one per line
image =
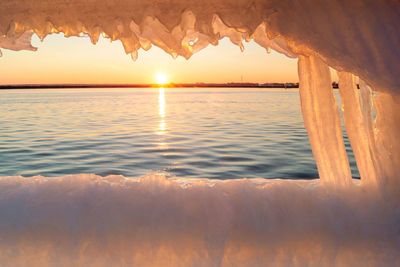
x=359 y=36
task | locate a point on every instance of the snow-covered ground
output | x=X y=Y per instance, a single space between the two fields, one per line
x=88 y=220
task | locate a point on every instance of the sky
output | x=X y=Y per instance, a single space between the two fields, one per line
x=76 y=60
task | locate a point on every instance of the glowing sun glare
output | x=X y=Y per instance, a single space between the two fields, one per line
x=161 y=78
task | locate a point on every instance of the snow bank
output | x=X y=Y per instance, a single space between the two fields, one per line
x=87 y=220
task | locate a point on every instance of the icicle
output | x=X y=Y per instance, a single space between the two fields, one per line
x=134 y=55
x=387 y=130
x=366 y=98
x=357 y=129
x=322 y=121
x=18 y=42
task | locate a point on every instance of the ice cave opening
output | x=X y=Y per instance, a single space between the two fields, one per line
x=74 y=219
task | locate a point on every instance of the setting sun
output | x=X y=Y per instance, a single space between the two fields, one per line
x=161 y=78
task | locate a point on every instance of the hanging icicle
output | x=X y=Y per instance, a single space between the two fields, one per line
x=322 y=121
x=387 y=142
x=359 y=127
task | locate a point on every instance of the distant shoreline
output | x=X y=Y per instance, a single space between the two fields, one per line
x=169 y=85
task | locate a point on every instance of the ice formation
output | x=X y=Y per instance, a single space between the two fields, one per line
x=358 y=36
x=152 y=221
x=322 y=121
x=87 y=220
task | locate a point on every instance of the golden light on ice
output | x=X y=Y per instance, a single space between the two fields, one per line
x=161 y=78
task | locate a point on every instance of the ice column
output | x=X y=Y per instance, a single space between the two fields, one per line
x=358 y=121
x=387 y=137
x=322 y=121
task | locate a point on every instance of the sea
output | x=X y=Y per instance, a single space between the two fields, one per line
x=214 y=133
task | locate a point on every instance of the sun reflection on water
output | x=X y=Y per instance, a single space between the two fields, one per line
x=162 y=127
x=161 y=102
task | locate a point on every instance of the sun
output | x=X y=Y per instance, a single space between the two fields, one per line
x=161 y=78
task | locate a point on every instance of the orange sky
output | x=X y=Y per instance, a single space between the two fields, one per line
x=76 y=60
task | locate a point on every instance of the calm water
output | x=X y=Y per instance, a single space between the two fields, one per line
x=204 y=133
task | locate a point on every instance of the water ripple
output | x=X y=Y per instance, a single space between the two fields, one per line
x=206 y=133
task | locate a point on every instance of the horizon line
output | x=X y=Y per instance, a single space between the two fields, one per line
x=152 y=85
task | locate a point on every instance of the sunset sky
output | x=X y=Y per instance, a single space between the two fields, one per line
x=76 y=60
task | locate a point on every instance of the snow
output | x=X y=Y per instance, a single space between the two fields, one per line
x=87 y=220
